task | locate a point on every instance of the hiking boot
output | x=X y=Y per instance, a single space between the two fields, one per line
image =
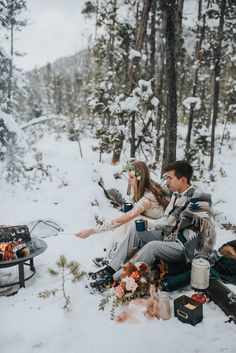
x=100 y=261
x=102 y=284
x=106 y=271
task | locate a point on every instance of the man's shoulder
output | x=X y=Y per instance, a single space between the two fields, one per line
x=200 y=200
x=199 y=193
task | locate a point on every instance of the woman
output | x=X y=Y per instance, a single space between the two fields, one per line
x=149 y=199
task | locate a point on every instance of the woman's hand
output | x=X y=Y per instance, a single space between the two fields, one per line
x=85 y=233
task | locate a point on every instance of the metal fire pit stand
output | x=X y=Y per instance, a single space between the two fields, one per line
x=37 y=246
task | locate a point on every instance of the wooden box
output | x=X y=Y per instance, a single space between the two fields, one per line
x=188 y=310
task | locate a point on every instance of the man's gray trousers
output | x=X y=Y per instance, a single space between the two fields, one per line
x=146 y=247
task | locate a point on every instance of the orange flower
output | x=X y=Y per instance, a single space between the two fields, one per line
x=129 y=268
x=135 y=275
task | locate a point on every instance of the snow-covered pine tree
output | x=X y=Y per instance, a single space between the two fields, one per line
x=113 y=36
x=10 y=23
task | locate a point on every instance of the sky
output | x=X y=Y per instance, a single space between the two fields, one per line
x=56 y=28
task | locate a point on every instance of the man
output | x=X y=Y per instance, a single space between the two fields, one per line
x=183 y=231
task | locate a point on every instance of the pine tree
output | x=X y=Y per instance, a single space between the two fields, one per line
x=11 y=9
x=169 y=10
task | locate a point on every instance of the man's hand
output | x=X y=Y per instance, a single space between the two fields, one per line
x=85 y=233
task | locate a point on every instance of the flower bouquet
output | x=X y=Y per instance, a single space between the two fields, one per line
x=135 y=283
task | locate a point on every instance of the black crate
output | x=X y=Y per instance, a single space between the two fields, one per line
x=188 y=310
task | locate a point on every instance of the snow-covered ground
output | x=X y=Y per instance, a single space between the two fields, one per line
x=32 y=324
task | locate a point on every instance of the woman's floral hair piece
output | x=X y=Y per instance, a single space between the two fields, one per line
x=130 y=168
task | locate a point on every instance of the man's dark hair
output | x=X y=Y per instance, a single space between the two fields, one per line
x=181 y=169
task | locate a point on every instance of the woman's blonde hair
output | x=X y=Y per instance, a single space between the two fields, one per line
x=145 y=183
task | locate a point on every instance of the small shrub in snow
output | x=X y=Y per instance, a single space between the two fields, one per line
x=66 y=271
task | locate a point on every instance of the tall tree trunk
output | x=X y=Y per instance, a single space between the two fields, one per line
x=160 y=88
x=112 y=35
x=179 y=52
x=199 y=40
x=217 y=70
x=153 y=74
x=212 y=88
x=9 y=93
x=153 y=39
x=169 y=155
x=132 y=144
x=118 y=146
x=111 y=53
x=141 y=31
x=178 y=36
x=96 y=20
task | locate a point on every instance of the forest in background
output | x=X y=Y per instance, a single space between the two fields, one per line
x=150 y=66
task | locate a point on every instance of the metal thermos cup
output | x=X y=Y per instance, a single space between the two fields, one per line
x=140 y=225
x=127 y=206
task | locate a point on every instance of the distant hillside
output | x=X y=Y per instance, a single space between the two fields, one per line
x=58 y=87
x=67 y=65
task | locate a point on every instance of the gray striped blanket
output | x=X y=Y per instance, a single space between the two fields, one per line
x=195 y=228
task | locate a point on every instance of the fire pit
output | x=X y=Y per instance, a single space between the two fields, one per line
x=36 y=246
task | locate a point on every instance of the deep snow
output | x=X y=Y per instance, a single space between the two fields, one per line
x=31 y=324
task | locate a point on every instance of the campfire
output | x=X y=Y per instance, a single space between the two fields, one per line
x=13 y=250
x=13 y=242
x=18 y=249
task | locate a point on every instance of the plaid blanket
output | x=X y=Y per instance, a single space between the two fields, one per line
x=195 y=229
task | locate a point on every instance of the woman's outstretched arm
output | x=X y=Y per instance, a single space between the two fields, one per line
x=143 y=205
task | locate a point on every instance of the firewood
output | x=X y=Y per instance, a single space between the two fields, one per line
x=113 y=195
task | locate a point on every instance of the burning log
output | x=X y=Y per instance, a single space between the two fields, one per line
x=13 y=250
